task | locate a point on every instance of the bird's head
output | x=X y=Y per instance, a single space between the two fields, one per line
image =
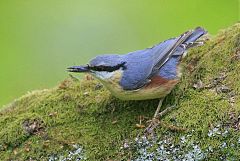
x=102 y=67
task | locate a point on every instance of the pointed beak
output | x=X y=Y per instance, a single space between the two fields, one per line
x=78 y=69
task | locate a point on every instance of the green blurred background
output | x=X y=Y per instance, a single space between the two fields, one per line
x=40 y=38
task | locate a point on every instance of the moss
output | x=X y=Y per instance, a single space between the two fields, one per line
x=48 y=122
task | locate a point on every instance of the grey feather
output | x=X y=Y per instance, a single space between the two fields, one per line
x=143 y=64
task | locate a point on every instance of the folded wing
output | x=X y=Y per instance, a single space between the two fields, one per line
x=141 y=65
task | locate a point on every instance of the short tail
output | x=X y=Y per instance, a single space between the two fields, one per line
x=192 y=40
x=177 y=46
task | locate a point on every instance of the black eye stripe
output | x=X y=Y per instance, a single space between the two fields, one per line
x=107 y=68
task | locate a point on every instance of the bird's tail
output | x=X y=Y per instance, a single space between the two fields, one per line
x=177 y=46
x=192 y=40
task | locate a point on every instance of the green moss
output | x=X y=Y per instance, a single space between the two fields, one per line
x=81 y=112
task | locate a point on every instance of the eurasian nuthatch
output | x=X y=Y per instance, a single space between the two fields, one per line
x=143 y=74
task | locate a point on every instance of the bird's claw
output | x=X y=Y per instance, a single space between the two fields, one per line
x=153 y=124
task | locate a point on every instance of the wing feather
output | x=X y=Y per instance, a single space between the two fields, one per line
x=141 y=65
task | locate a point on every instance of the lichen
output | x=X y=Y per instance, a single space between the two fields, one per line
x=46 y=124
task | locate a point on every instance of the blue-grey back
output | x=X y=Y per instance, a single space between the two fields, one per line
x=140 y=64
x=161 y=59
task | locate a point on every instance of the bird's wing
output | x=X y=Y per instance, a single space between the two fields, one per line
x=168 y=49
x=142 y=64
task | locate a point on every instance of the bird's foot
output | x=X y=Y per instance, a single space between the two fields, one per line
x=153 y=124
x=155 y=121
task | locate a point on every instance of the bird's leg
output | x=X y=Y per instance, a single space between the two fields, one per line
x=166 y=110
x=158 y=109
x=154 y=122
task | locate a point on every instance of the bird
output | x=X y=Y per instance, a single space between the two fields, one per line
x=145 y=74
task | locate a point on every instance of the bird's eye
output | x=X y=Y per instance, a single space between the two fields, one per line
x=101 y=68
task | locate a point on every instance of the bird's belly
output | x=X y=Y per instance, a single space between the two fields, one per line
x=157 y=88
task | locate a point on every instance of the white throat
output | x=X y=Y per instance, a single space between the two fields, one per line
x=104 y=75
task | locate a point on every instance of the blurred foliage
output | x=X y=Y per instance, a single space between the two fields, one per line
x=39 y=39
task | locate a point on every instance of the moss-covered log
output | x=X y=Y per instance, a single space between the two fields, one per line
x=80 y=119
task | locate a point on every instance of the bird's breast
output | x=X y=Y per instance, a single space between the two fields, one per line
x=158 y=87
